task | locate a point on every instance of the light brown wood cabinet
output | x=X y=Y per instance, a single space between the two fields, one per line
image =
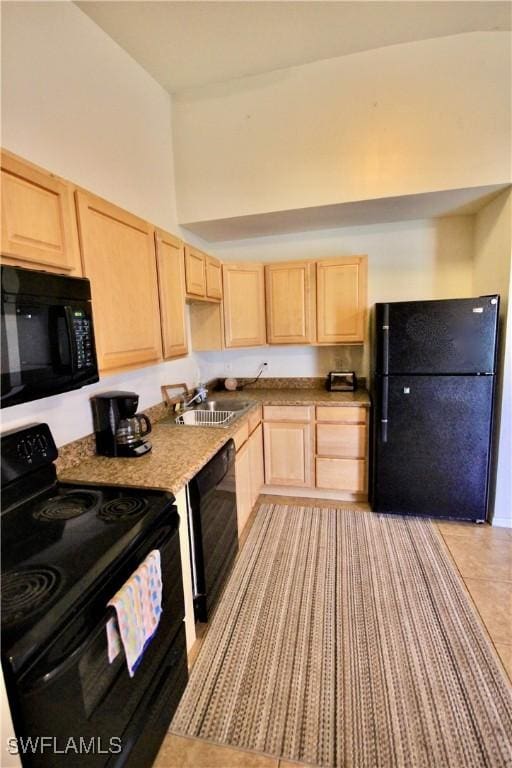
x=341 y=300
x=342 y=449
x=171 y=289
x=195 y=272
x=288 y=450
x=39 y=229
x=343 y=475
x=203 y=275
x=213 y=278
x=118 y=251
x=290 y=303
x=256 y=463
x=244 y=305
x=243 y=486
x=248 y=471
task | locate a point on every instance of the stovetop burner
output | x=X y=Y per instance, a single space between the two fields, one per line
x=67 y=506
x=123 y=508
x=26 y=591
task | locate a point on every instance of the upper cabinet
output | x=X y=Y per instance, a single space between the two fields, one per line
x=195 y=272
x=244 y=305
x=290 y=302
x=118 y=251
x=171 y=288
x=341 y=300
x=213 y=278
x=38 y=219
x=203 y=275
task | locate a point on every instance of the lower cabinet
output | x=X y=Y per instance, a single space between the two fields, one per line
x=248 y=471
x=324 y=448
x=288 y=450
x=342 y=449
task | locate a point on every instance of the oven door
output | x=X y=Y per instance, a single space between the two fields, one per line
x=90 y=709
x=44 y=351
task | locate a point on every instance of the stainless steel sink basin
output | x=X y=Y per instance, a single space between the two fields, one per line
x=223 y=405
x=212 y=413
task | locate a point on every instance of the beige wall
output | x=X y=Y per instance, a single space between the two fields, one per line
x=407 y=260
x=77 y=104
x=493 y=274
x=399 y=120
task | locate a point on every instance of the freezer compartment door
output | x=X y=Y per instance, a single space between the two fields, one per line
x=437 y=337
x=431 y=456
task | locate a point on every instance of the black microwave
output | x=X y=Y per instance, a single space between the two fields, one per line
x=47 y=335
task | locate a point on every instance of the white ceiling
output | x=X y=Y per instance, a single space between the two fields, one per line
x=193 y=43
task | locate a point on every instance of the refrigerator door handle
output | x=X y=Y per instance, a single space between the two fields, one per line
x=384 y=421
x=385 y=339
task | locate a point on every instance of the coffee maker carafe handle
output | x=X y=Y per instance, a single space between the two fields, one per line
x=143 y=419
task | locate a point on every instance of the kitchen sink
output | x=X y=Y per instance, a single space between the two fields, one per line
x=212 y=413
x=205 y=418
x=223 y=405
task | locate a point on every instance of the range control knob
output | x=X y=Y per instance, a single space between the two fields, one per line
x=25 y=450
x=42 y=443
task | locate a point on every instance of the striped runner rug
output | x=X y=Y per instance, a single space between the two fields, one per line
x=347 y=639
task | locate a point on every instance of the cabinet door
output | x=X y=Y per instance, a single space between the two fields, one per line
x=243 y=486
x=39 y=228
x=118 y=251
x=213 y=278
x=171 y=288
x=289 y=301
x=195 y=272
x=341 y=300
x=288 y=454
x=244 y=305
x=256 y=463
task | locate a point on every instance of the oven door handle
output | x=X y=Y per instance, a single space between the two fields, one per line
x=47 y=677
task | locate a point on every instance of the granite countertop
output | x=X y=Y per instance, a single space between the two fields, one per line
x=179 y=452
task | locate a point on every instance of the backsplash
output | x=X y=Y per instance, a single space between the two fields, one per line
x=284 y=361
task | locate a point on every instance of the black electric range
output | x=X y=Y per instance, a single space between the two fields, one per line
x=66 y=550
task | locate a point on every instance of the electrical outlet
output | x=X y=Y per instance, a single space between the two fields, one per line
x=229 y=367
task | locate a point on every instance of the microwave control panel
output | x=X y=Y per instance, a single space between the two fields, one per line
x=83 y=339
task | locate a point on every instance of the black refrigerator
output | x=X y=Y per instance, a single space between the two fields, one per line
x=433 y=390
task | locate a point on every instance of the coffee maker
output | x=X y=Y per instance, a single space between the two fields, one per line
x=119 y=430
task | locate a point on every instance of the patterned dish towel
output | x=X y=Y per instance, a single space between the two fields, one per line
x=138 y=605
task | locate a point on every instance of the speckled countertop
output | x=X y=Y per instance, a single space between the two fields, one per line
x=179 y=452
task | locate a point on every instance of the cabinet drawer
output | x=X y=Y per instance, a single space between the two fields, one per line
x=254 y=419
x=345 y=413
x=343 y=440
x=287 y=412
x=341 y=474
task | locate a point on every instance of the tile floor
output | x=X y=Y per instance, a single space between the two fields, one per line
x=482 y=555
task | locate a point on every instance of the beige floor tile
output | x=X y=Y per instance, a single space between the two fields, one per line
x=475 y=532
x=493 y=600
x=505 y=653
x=179 y=752
x=482 y=559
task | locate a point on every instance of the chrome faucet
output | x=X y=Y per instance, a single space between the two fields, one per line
x=200 y=396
